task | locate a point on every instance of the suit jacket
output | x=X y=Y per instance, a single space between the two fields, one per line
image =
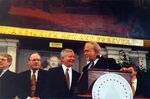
x=57 y=85
x=143 y=85
x=8 y=85
x=102 y=63
x=25 y=86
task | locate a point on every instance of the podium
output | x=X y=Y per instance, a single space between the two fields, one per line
x=89 y=77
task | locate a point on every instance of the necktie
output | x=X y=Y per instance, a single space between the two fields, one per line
x=33 y=84
x=67 y=77
x=133 y=88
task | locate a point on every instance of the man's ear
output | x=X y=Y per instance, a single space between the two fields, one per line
x=61 y=59
x=9 y=64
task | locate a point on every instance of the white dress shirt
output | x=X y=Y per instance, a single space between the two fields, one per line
x=69 y=71
x=95 y=61
x=36 y=73
x=3 y=72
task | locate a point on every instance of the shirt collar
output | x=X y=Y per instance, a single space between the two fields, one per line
x=65 y=67
x=100 y=55
x=4 y=70
x=36 y=73
x=70 y=72
x=95 y=61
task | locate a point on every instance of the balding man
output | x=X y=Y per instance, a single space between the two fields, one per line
x=33 y=80
x=96 y=60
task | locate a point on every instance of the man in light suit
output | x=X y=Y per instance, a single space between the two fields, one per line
x=34 y=62
x=57 y=83
x=8 y=79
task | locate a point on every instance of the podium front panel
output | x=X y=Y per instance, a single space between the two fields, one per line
x=94 y=74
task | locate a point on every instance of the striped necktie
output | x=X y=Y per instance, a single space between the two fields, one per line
x=33 y=84
x=67 y=77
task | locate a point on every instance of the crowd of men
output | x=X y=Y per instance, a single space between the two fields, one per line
x=58 y=82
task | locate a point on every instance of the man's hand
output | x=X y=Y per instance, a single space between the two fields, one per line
x=130 y=70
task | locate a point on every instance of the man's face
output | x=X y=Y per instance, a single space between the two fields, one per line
x=89 y=52
x=34 y=61
x=68 y=59
x=4 y=62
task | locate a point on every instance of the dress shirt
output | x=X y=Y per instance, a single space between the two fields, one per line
x=36 y=73
x=135 y=83
x=95 y=61
x=69 y=71
x=4 y=70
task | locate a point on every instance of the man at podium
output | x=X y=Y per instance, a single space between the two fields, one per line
x=96 y=60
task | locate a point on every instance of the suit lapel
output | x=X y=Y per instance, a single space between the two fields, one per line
x=38 y=78
x=28 y=83
x=5 y=74
x=74 y=85
x=63 y=77
x=73 y=80
x=38 y=82
x=86 y=67
x=101 y=63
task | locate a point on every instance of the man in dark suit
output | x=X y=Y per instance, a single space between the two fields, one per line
x=8 y=79
x=102 y=63
x=33 y=80
x=143 y=86
x=96 y=60
x=62 y=80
